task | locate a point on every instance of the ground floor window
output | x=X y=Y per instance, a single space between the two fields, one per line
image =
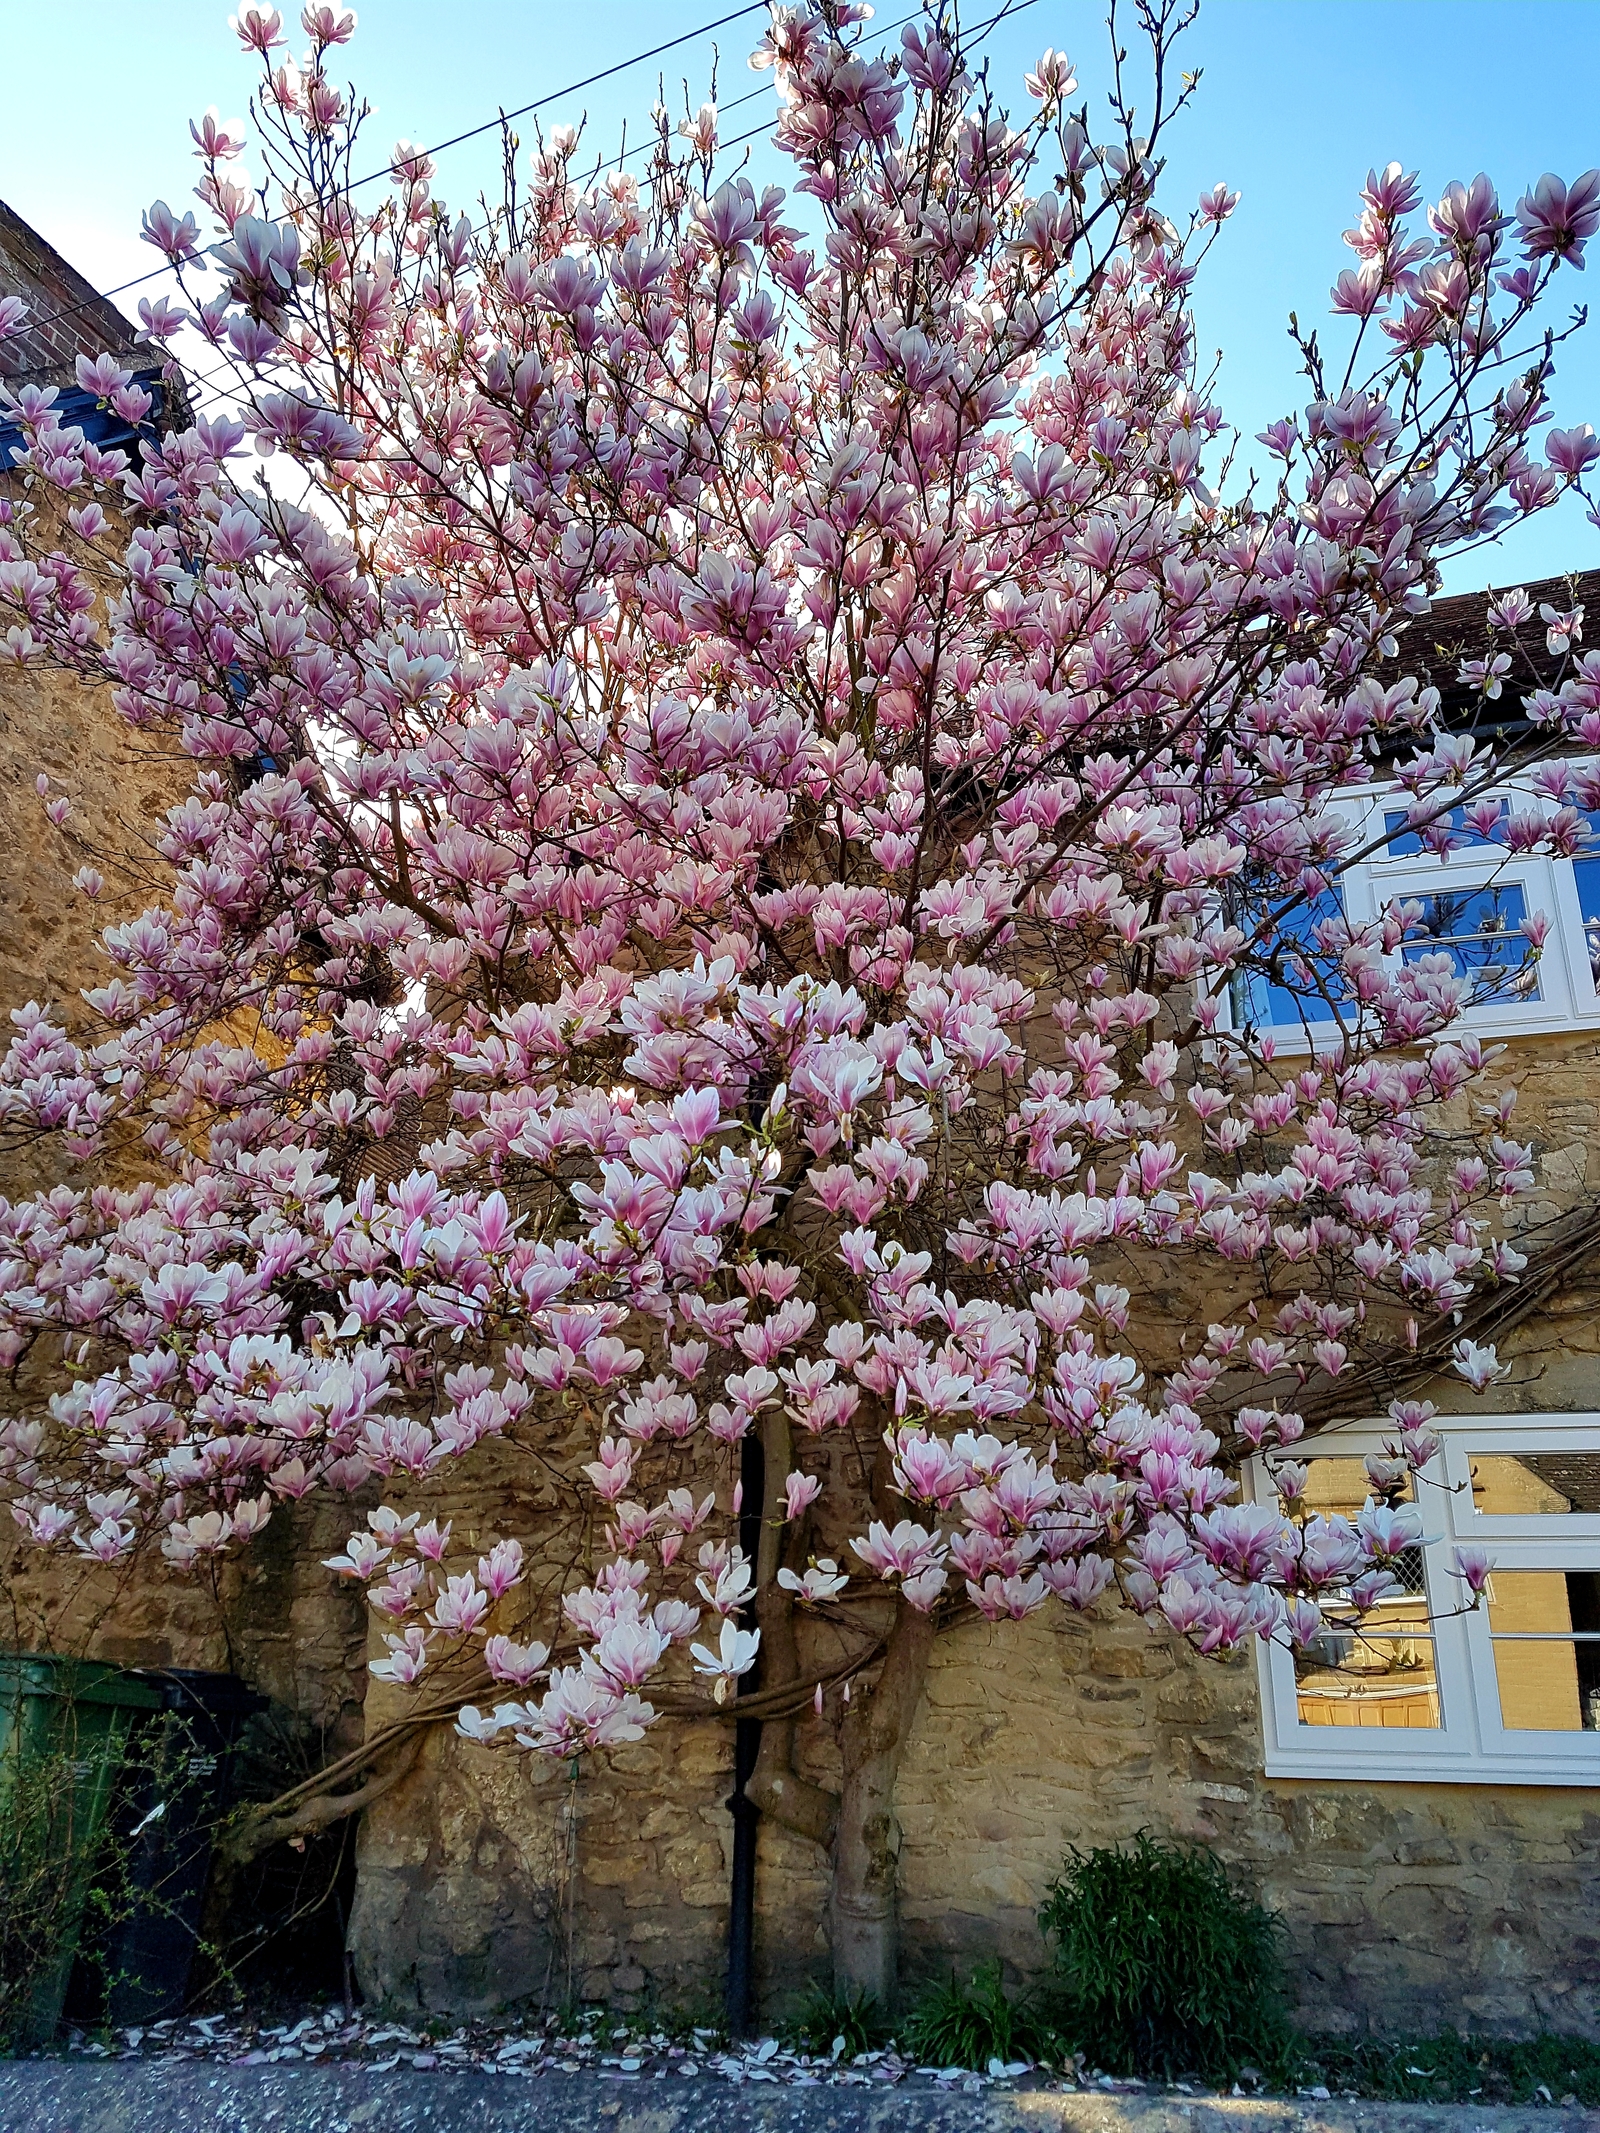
x=1509 y=1693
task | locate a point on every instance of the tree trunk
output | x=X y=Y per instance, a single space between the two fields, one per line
x=866 y=1852
x=858 y=1826
x=775 y=1786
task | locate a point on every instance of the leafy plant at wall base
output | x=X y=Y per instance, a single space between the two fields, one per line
x=36 y=1894
x=1168 y=1968
x=825 y=2018
x=968 y=2025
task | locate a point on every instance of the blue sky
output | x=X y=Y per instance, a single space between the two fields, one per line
x=1298 y=98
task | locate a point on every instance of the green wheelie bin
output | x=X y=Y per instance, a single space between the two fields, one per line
x=64 y=1726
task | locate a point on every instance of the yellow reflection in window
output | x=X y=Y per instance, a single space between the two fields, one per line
x=1337 y=1488
x=1381 y=1674
x=1379 y=1671
x=1546 y=1630
x=1538 y=1485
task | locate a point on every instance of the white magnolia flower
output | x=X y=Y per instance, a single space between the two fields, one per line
x=733 y=1654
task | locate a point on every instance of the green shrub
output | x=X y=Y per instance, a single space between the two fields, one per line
x=65 y=1882
x=968 y=2025
x=1167 y=1968
x=854 y=2020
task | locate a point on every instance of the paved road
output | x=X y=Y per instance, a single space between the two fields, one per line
x=63 y=2096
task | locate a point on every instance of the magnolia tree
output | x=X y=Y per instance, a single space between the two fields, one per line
x=751 y=753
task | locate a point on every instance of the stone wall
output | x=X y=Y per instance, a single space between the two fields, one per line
x=121 y=786
x=485 y=1880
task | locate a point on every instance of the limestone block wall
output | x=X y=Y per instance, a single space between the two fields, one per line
x=121 y=785
x=488 y=1879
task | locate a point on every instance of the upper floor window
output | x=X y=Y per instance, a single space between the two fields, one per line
x=1419 y=1689
x=1481 y=904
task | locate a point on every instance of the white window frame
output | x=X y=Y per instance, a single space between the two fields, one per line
x=1470 y=1746
x=1568 y=998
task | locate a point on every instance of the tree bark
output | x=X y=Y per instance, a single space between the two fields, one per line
x=775 y=1786
x=866 y=1853
x=857 y=1826
x=255 y=1832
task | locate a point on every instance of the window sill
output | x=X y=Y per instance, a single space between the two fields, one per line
x=1448 y=1767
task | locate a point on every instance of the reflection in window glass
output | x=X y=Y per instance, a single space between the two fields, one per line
x=1339 y=1486
x=1405 y=843
x=1382 y=1674
x=1264 y=1004
x=1481 y=932
x=1545 y=1627
x=1586 y=874
x=1538 y=1485
x=1380 y=1670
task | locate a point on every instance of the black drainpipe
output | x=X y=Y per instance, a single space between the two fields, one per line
x=739 y=2004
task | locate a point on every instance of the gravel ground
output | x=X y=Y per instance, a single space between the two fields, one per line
x=341 y=2071
x=197 y=2096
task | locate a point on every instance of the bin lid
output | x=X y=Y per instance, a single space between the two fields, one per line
x=74 y=1681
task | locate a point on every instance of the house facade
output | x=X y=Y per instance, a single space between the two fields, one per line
x=49 y=725
x=1421 y=1803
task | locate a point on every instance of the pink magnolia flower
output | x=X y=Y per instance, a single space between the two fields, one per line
x=1557 y=219
x=407 y=1660
x=903 y=1552
x=1472 y=1566
x=821 y=1580
x=1480 y=1366
x=520 y=1664
x=733 y=1654
x=628 y=1652
x=177 y=238
x=800 y=1490
x=257 y=29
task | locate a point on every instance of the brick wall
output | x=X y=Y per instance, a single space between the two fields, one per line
x=70 y=317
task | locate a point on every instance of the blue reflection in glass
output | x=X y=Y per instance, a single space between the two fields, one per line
x=1404 y=843
x=1586 y=873
x=1481 y=932
x=1258 y=999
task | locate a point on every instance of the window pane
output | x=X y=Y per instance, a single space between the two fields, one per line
x=1539 y=1484
x=1378 y=1671
x=1404 y=843
x=1381 y=1674
x=1338 y=1487
x=1481 y=932
x=1260 y=1001
x=1586 y=875
x=1546 y=1630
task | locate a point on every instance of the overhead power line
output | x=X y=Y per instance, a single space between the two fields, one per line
x=209 y=380
x=589 y=81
